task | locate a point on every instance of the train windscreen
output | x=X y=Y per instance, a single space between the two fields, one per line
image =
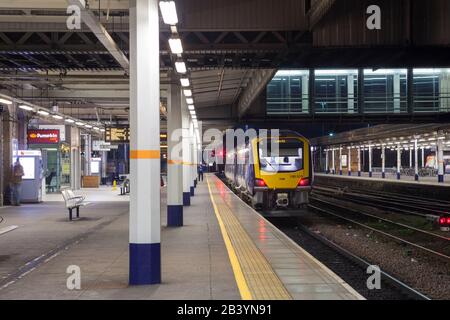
x=288 y=157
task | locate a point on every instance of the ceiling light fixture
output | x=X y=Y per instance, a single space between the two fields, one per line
x=168 y=12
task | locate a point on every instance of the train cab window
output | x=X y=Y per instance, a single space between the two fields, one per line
x=288 y=157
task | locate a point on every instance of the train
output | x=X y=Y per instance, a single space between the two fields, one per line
x=272 y=181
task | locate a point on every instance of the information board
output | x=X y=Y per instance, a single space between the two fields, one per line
x=117 y=134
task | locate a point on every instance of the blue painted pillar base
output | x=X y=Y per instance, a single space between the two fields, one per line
x=327 y=172
x=186 y=198
x=383 y=175
x=416 y=177
x=349 y=173
x=370 y=174
x=174 y=215
x=359 y=173
x=440 y=178
x=145 y=263
x=340 y=172
x=398 y=175
x=195 y=183
x=192 y=191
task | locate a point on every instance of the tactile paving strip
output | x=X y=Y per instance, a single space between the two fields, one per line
x=260 y=278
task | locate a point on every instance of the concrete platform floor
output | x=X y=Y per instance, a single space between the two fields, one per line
x=35 y=256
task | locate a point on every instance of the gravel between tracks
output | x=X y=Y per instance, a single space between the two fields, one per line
x=428 y=275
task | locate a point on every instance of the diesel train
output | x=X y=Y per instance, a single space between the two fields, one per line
x=272 y=180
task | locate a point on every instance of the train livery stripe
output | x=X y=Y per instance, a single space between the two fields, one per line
x=238 y=274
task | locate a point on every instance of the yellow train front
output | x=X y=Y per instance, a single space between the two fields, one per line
x=272 y=179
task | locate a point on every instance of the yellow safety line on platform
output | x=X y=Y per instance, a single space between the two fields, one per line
x=254 y=274
x=238 y=274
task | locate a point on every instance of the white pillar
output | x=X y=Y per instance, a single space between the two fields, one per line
x=423 y=157
x=416 y=161
x=326 y=162
x=351 y=93
x=399 y=160
x=192 y=161
x=333 y=164
x=174 y=157
x=370 y=161
x=440 y=160
x=186 y=155
x=397 y=104
x=349 y=161
x=145 y=225
x=410 y=157
x=340 y=160
x=383 y=161
x=75 y=158
x=305 y=94
x=359 y=161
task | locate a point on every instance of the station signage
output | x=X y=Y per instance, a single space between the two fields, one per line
x=117 y=134
x=99 y=145
x=43 y=136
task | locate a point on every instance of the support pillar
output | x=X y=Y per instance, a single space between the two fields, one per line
x=416 y=161
x=370 y=161
x=186 y=155
x=440 y=160
x=174 y=157
x=399 y=160
x=359 y=161
x=423 y=157
x=349 y=161
x=340 y=160
x=333 y=164
x=75 y=158
x=326 y=162
x=410 y=158
x=145 y=224
x=191 y=167
x=383 y=161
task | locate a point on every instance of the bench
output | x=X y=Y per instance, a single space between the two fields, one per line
x=73 y=202
x=125 y=187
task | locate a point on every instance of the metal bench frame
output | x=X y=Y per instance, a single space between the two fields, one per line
x=73 y=202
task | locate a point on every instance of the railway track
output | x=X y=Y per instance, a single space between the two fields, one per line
x=431 y=209
x=428 y=242
x=351 y=268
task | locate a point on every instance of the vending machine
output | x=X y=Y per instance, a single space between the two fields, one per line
x=31 y=161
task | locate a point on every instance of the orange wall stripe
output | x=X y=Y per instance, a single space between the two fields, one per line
x=145 y=154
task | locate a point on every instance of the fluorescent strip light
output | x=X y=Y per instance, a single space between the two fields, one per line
x=56 y=116
x=88 y=126
x=102 y=130
x=43 y=112
x=96 y=128
x=70 y=121
x=168 y=12
x=79 y=123
x=173 y=29
x=189 y=101
x=175 y=46
x=192 y=111
x=5 y=101
x=180 y=66
x=25 y=107
x=194 y=116
x=188 y=92
x=185 y=82
x=191 y=107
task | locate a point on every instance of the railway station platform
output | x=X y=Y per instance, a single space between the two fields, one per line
x=425 y=187
x=225 y=250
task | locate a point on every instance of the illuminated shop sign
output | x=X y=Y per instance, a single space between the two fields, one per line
x=43 y=136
